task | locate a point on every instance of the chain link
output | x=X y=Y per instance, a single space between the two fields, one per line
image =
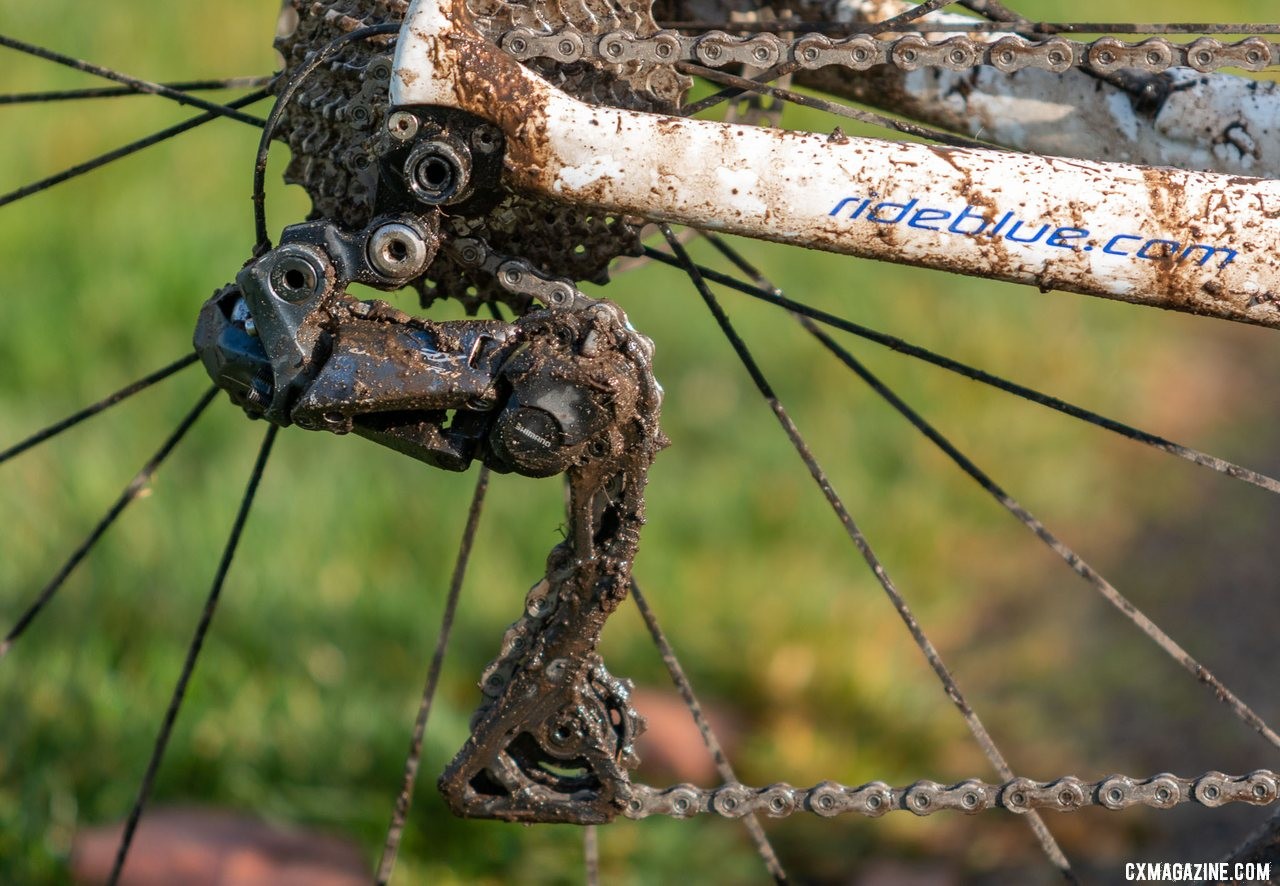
x=1008 y=53
x=1019 y=795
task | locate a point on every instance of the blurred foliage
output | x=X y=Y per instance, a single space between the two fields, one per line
x=301 y=707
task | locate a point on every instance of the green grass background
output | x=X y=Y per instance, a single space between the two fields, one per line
x=301 y=707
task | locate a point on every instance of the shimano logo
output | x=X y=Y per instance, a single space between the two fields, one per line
x=536 y=438
x=972 y=222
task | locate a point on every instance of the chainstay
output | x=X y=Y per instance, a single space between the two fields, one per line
x=1020 y=795
x=1008 y=53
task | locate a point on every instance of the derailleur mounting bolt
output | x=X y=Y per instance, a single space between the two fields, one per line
x=296 y=273
x=438 y=171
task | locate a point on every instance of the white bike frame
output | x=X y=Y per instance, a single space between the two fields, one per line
x=1191 y=241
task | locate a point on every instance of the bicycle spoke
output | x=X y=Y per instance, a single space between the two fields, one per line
x=997 y=12
x=102 y=405
x=1262 y=845
x=124 y=151
x=1047 y=842
x=27 y=98
x=731 y=92
x=395 y=832
x=830 y=107
x=906 y=16
x=591 y=854
x=1070 y=557
x=168 y=92
x=131 y=493
x=193 y=652
x=752 y=822
x=775 y=297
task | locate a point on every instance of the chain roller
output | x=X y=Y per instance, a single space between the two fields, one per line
x=1020 y=795
x=1008 y=53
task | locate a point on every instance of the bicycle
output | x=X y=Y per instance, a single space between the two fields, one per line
x=864 y=208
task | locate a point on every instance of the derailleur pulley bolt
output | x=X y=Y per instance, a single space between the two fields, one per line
x=397 y=251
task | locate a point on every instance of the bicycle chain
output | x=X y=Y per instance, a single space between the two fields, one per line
x=1009 y=53
x=1018 y=795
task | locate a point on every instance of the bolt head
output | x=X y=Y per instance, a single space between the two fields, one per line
x=398 y=251
x=402 y=125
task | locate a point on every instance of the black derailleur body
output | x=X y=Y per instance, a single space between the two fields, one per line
x=289 y=345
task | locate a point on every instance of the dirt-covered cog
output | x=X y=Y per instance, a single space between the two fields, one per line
x=335 y=129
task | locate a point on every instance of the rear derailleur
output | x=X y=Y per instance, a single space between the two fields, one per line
x=566 y=388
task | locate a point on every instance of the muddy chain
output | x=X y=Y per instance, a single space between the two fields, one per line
x=1019 y=795
x=1008 y=53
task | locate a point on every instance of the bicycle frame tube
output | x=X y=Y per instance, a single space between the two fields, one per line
x=1189 y=241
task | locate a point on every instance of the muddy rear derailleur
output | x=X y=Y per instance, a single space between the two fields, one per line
x=567 y=388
